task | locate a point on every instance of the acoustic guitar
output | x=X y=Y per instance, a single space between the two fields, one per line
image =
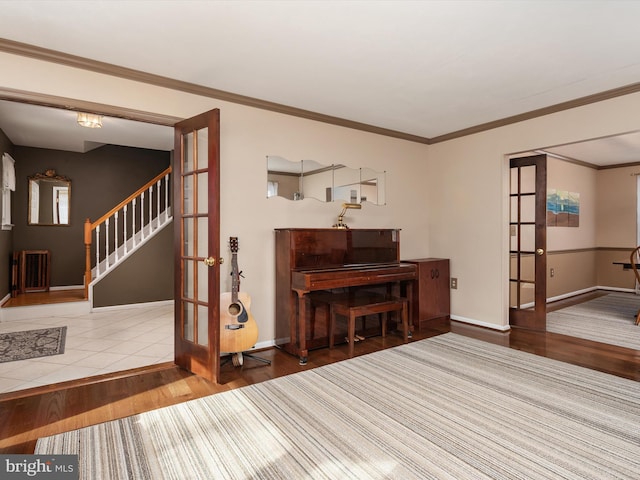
x=238 y=329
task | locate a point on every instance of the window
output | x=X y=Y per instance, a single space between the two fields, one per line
x=8 y=186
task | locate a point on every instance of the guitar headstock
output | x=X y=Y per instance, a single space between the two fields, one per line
x=233 y=244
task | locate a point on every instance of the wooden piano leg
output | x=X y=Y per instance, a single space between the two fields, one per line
x=409 y=297
x=302 y=328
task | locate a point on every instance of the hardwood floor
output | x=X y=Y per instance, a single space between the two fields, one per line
x=45 y=298
x=30 y=414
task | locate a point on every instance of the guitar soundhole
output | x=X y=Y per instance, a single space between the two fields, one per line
x=234 y=309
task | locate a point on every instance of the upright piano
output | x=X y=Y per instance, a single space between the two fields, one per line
x=310 y=260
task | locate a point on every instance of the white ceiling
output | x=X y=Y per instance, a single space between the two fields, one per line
x=425 y=68
x=58 y=129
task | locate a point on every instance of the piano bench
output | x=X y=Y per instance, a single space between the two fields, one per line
x=362 y=305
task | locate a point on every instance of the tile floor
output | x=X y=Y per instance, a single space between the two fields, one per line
x=100 y=342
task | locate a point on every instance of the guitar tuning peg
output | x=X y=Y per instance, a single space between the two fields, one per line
x=240 y=274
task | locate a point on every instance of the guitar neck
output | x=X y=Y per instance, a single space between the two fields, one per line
x=235 y=277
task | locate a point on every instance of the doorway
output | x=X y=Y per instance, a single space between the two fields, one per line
x=156 y=349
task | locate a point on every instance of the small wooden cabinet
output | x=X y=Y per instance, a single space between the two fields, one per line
x=431 y=295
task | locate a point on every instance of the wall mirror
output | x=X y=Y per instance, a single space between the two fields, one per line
x=49 y=199
x=327 y=183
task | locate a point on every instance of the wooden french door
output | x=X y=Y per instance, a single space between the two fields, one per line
x=197 y=244
x=528 y=249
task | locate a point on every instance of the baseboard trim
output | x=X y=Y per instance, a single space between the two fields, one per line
x=506 y=328
x=479 y=323
x=588 y=290
x=67 y=287
x=572 y=294
x=28 y=312
x=107 y=308
x=617 y=289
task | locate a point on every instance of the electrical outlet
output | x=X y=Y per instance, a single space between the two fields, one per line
x=552 y=272
x=454 y=283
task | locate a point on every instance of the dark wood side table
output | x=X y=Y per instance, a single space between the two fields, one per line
x=431 y=295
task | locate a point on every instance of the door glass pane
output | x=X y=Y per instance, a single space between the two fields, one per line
x=203 y=237
x=187 y=162
x=187 y=194
x=188 y=289
x=527 y=268
x=187 y=236
x=203 y=325
x=528 y=208
x=514 y=180
x=528 y=238
x=203 y=282
x=513 y=209
x=526 y=299
x=203 y=192
x=527 y=292
x=189 y=321
x=513 y=299
x=203 y=148
x=528 y=179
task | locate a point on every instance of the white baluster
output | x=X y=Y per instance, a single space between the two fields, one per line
x=106 y=244
x=166 y=195
x=150 y=209
x=115 y=236
x=126 y=247
x=133 y=222
x=158 y=190
x=97 y=251
x=142 y=215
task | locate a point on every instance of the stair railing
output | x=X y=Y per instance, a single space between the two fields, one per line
x=114 y=238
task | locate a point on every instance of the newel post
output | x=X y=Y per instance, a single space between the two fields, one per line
x=87 y=263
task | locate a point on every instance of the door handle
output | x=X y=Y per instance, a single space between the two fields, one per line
x=210 y=261
x=540 y=251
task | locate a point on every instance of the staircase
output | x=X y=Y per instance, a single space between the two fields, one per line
x=125 y=228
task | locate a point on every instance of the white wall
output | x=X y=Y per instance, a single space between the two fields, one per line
x=468 y=188
x=449 y=199
x=248 y=135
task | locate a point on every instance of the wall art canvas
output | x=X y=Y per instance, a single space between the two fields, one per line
x=563 y=208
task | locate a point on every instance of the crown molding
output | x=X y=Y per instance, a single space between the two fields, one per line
x=39 y=53
x=540 y=112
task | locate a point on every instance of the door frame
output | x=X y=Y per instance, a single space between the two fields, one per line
x=67 y=103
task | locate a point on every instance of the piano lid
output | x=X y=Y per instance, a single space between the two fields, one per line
x=328 y=248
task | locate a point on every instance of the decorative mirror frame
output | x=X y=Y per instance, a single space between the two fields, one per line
x=33 y=215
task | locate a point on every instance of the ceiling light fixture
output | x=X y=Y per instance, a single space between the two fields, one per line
x=89 y=120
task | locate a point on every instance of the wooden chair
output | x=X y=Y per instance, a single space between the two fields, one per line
x=634 y=259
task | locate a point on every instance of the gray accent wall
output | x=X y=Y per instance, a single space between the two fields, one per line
x=100 y=179
x=6 y=236
x=146 y=276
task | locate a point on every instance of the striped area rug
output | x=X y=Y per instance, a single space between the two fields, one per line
x=448 y=407
x=607 y=319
